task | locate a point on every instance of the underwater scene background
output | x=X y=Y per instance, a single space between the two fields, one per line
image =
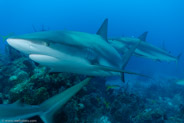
x=104 y=100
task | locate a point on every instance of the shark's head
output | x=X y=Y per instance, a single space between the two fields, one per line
x=28 y=44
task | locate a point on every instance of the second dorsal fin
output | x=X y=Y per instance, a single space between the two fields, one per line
x=102 y=31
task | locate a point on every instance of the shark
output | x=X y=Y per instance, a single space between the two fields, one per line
x=18 y=112
x=72 y=51
x=145 y=49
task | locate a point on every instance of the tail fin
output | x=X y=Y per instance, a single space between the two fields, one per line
x=143 y=36
x=179 y=55
x=52 y=105
x=127 y=57
x=102 y=31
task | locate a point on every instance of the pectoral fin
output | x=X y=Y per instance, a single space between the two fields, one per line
x=123 y=77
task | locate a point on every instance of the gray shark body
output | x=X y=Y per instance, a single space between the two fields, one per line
x=145 y=49
x=70 y=51
x=46 y=110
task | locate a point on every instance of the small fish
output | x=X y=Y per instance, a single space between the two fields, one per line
x=112 y=87
x=106 y=104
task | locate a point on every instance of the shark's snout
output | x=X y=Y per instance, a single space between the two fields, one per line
x=11 y=42
x=19 y=44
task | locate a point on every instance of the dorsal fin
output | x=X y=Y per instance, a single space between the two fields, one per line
x=19 y=103
x=102 y=31
x=143 y=36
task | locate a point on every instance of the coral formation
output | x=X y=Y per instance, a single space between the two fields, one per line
x=24 y=80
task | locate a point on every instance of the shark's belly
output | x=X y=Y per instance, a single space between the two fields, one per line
x=70 y=64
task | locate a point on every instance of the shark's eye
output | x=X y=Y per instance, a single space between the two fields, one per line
x=45 y=43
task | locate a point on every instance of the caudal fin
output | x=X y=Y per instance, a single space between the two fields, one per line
x=126 y=58
x=179 y=55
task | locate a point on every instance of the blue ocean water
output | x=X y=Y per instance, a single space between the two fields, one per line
x=163 y=19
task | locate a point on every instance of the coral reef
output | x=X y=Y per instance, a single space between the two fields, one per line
x=24 y=80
